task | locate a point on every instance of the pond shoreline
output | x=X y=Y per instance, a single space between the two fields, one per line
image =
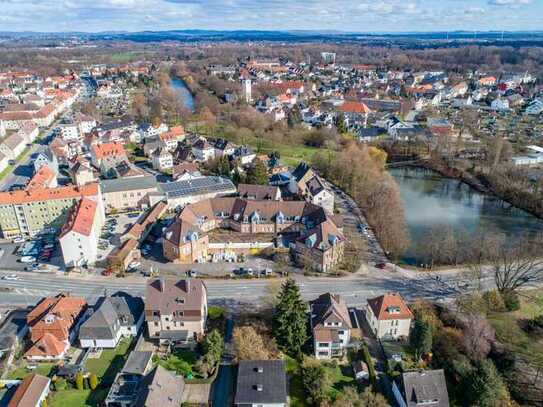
x=468 y=179
x=437 y=200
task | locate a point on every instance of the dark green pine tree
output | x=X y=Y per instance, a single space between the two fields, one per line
x=290 y=320
x=340 y=123
x=258 y=173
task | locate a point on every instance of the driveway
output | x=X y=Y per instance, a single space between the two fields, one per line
x=223 y=387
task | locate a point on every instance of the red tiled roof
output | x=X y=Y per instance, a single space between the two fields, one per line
x=47 y=345
x=81 y=218
x=101 y=150
x=44 y=194
x=41 y=179
x=354 y=107
x=382 y=306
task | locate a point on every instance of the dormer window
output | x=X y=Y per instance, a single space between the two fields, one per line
x=393 y=310
x=180 y=300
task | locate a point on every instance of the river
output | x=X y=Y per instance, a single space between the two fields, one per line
x=180 y=87
x=432 y=201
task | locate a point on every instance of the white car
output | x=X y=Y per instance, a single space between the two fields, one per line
x=134 y=265
x=10 y=277
x=28 y=259
x=19 y=240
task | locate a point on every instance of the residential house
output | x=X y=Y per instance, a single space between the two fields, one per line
x=176 y=310
x=80 y=234
x=500 y=104
x=47 y=158
x=259 y=192
x=330 y=325
x=388 y=316
x=43 y=178
x=317 y=193
x=82 y=173
x=114 y=317
x=421 y=388
x=224 y=148
x=535 y=107
x=261 y=383
x=162 y=159
x=245 y=155
x=12 y=146
x=100 y=151
x=31 y=392
x=203 y=151
x=171 y=138
x=13 y=329
x=53 y=325
x=185 y=171
x=161 y=388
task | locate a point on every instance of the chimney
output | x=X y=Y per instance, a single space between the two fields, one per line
x=162 y=284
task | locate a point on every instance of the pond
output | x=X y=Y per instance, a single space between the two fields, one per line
x=432 y=201
x=180 y=87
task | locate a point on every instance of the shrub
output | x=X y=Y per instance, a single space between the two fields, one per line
x=511 y=301
x=494 y=301
x=215 y=312
x=60 y=384
x=93 y=381
x=535 y=325
x=79 y=381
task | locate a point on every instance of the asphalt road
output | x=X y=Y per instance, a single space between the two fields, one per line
x=30 y=287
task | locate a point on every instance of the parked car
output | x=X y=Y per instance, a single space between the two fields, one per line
x=242 y=271
x=28 y=259
x=381 y=265
x=13 y=277
x=19 y=239
x=192 y=273
x=266 y=272
x=134 y=264
x=107 y=272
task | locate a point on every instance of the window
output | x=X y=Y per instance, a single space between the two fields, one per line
x=323 y=344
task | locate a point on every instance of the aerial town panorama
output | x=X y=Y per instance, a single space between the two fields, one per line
x=286 y=203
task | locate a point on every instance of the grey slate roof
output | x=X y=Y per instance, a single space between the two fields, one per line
x=128 y=184
x=161 y=388
x=111 y=314
x=426 y=387
x=261 y=382
x=137 y=362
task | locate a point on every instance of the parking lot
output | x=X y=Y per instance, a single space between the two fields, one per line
x=110 y=236
x=41 y=254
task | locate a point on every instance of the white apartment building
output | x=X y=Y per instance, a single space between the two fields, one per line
x=79 y=235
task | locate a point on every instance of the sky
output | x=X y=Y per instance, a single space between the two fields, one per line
x=342 y=15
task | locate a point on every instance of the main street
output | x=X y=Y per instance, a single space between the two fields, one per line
x=30 y=287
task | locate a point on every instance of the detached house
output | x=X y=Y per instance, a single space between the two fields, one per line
x=176 y=310
x=388 y=316
x=261 y=383
x=114 y=318
x=203 y=151
x=53 y=325
x=421 y=388
x=101 y=151
x=31 y=392
x=331 y=326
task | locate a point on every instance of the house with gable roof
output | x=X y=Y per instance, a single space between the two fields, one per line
x=388 y=316
x=330 y=325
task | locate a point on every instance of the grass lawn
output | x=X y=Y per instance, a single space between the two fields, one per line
x=76 y=398
x=106 y=368
x=296 y=387
x=109 y=362
x=341 y=376
x=509 y=332
x=43 y=369
x=292 y=155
